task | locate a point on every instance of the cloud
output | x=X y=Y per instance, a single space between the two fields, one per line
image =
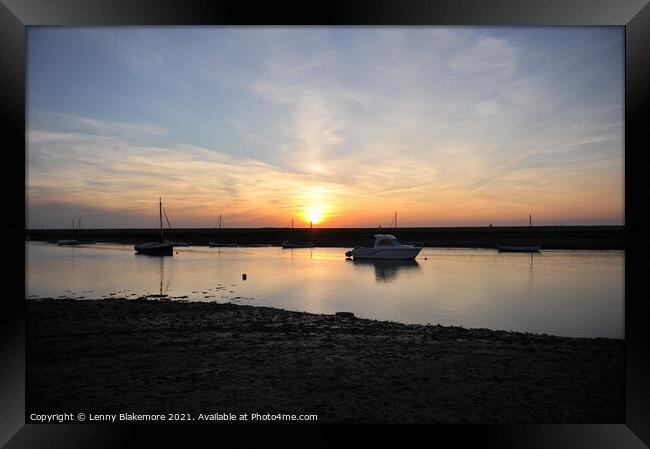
x=439 y=124
x=89 y=125
x=122 y=177
x=109 y=127
x=488 y=56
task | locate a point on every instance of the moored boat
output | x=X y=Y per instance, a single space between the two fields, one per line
x=519 y=249
x=220 y=244
x=286 y=244
x=386 y=247
x=68 y=242
x=75 y=230
x=161 y=248
x=175 y=243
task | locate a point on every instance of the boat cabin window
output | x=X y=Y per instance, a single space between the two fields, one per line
x=386 y=242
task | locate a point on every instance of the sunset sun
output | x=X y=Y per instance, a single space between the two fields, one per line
x=314 y=215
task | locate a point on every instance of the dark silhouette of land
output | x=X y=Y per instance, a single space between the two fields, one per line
x=141 y=356
x=549 y=237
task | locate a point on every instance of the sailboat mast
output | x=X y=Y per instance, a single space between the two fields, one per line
x=395 y=219
x=530 y=220
x=160 y=211
x=219 y=221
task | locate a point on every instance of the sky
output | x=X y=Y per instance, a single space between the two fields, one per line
x=339 y=126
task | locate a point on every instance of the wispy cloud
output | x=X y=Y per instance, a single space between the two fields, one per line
x=120 y=176
x=487 y=56
x=110 y=127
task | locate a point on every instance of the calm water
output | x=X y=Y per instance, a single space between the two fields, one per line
x=569 y=293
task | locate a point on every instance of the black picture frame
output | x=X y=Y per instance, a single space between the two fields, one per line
x=634 y=15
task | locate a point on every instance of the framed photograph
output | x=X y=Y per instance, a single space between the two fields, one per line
x=326 y=220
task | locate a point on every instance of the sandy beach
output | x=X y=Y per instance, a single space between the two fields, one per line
x=143 y=356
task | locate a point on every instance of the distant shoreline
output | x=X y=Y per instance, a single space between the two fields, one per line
x=549 y=237
x=143 y=356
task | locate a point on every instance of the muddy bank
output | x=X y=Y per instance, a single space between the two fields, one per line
x=158 y=356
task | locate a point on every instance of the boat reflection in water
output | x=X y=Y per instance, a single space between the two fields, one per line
x=387 y=270
x=160 y=292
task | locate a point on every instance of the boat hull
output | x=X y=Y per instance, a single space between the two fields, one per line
x=70 y=242
x=155 y=249
x=384 y=253
x=519 y=249
x=297 y=245
x=181 y=244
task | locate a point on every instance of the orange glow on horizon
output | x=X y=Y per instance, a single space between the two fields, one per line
x=260 y=195
x=314 y=214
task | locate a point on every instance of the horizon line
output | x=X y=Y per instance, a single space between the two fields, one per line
x=357 y=227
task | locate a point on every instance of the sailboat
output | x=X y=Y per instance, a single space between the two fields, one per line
x=518 y=248
x=162 y=248
x=71 y=242
x=220 y=244
x=286 y=244
x=84 y=242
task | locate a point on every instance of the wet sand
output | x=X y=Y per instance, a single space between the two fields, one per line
x=143 y=356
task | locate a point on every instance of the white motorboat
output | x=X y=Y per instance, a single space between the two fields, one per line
x=386 y=247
